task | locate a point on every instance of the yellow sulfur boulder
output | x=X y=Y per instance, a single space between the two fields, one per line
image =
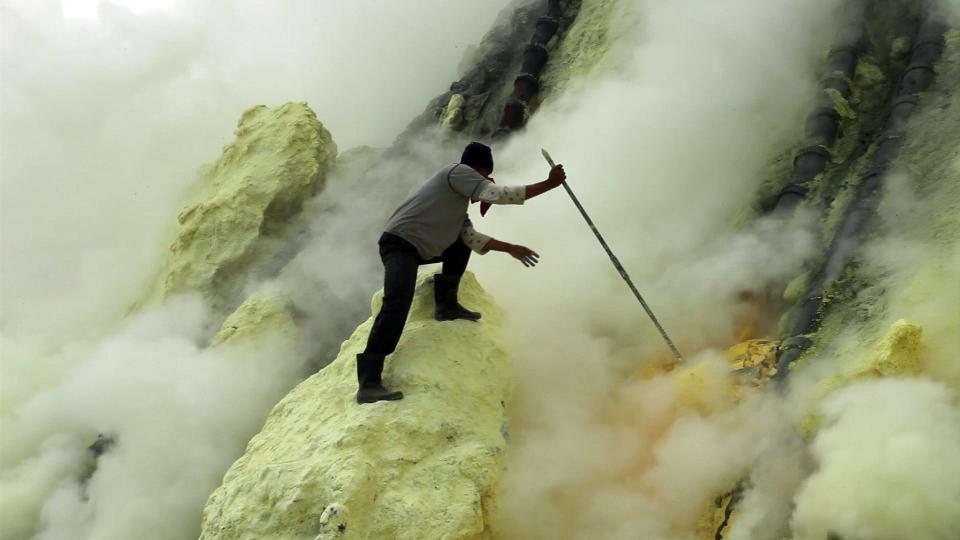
x=279 y=159
x=704 y=386
x=898 y=353
x=754 y=360
x=715 y=521
x=261 y=313
x=427 y=466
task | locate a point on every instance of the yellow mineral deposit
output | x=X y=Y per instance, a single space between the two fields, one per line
x=427 y=466
x=262 y=313
x=279 y=159
x=704 y=386
x=755 y=358
x=452 y=114
x=794 y=290
x=716 y=518
x=584 y=50
x=898 y=354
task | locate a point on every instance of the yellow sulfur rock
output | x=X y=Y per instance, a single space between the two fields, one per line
x=898 y=353
x=752 y=353
x=704 y=386
x=584 y=48
x=427 y=466
x=260 y=314
x=452 y=115
x=279 y=159
x=809 y=424
x=754 y=360
x=714 y=522
x=794 y=290
x=840 y=104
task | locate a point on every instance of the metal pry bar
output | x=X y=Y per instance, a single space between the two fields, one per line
x=616 y=263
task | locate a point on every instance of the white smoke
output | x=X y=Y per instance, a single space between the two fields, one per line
x=887 y=466
x=178 y=415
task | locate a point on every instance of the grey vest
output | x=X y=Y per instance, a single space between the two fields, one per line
x=433 y=216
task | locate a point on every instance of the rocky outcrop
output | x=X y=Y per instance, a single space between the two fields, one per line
x=260 y=314
x=583 y=50
x=899 y=353
x=279 y=159
x=428 y=466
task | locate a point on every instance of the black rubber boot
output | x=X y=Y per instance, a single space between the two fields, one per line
x=445 y=293
x=369 y=369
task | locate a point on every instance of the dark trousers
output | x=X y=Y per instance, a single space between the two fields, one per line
x=400 y=262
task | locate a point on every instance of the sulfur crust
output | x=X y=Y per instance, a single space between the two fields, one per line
x=279 y=159
x=899 y=353
x=584 y=49
x=428 y=466
x=260 y=314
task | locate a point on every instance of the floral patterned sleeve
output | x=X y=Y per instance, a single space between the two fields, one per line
x=473 y=239
x=497 y=194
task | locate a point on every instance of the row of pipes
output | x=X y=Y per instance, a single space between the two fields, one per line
x=821 y=131
x=919 y=74
x=526 y=86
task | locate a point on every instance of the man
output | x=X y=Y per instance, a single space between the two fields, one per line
x=432 y=226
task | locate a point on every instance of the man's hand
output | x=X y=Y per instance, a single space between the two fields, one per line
x=557 y=175
x=523 y=254
x=527 y=256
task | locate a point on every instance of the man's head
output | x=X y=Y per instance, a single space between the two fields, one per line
x=479 y=157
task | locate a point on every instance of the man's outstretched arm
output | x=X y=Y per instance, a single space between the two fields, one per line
x=499 y=194
x=482 y=243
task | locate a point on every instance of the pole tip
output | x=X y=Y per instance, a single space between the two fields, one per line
x=546 y=156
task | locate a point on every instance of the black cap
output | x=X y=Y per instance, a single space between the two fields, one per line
x=477 y=155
